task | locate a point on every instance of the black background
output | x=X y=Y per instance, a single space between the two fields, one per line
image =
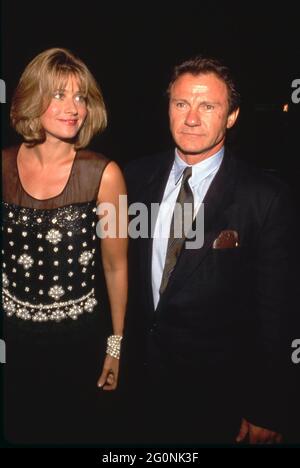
x=131 y=51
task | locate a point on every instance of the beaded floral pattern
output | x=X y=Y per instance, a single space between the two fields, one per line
x=43 y=282
x=53 y=236
x=26 y=260
x=85 y=257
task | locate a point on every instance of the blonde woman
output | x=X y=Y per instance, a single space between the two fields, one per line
x=62 y=350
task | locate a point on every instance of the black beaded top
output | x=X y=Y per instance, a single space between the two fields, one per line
x=50 y=247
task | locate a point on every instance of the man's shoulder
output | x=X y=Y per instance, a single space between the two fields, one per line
x=259 y=181
x=139 y=171
x=150 y=162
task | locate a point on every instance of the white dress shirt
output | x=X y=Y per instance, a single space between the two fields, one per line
x=202 y=176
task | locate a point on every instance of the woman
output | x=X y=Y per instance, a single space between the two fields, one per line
x=53 y=298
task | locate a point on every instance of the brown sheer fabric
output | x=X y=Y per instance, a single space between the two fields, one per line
x=81 y=187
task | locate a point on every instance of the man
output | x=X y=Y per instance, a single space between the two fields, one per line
x=213 y=316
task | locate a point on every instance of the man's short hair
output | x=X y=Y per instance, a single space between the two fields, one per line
x=200 y=65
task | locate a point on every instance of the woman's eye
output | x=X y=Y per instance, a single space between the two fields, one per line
x=58 y=95
x=80 y=98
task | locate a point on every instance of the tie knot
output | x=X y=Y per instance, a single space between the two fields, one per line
x=186 y=174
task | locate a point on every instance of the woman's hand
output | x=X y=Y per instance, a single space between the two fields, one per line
x=108 y=380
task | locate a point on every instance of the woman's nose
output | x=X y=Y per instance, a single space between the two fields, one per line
x=70 y=106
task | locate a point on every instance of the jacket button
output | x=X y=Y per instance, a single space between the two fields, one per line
x=153 y=327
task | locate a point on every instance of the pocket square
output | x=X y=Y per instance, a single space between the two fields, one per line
x=226 y=240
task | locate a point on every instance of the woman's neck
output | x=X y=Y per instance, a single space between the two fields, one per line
x=51 y=152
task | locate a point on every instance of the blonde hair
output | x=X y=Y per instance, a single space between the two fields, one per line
x=46 y=73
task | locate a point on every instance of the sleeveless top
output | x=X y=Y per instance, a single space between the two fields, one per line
x=50 y=247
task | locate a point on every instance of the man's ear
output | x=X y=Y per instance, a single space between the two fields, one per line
x=231 y=119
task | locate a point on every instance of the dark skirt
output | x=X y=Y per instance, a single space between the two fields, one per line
x=50 y=376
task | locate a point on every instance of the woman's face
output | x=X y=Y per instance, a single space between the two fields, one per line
x=66 y=112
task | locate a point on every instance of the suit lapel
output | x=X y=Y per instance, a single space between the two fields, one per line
x=153 y=193
x=217 y=199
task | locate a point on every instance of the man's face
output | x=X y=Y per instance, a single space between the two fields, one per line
x=198 y=112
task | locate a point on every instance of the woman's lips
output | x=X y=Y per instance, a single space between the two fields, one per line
x=70 y=122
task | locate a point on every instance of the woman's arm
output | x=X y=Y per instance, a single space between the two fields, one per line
x=114 y=259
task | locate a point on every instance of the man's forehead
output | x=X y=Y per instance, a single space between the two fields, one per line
x=199 y=85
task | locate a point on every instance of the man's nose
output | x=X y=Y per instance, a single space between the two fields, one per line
x=192 y=118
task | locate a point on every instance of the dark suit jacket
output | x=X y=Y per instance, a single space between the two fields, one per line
x=223 y=311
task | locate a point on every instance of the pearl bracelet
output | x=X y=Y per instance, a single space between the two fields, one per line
x=114 y=346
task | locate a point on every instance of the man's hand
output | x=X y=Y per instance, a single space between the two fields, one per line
x=257 y=435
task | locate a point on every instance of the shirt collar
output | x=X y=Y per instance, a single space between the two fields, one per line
x=201 y=170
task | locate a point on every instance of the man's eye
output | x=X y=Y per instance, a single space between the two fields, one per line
x=180 y=105
x=208 y=107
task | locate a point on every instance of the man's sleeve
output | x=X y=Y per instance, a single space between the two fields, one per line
x=274 y=272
